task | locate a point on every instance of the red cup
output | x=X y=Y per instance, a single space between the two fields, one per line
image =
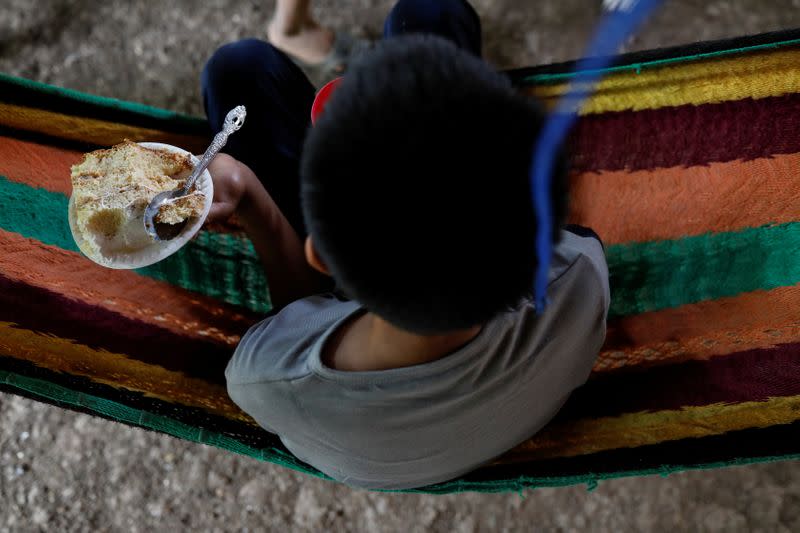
x=322 y=98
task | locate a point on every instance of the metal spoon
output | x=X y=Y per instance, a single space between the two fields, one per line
x=164 y=232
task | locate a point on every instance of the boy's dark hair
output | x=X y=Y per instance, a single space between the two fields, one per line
x=415 y=186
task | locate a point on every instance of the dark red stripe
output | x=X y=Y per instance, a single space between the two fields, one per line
x=687 y=135
x=48 y=312
x=752 y=375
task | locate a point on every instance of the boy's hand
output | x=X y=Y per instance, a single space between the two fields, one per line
x=230 y=179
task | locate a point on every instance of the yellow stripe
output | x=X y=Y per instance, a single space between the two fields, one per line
x=90 y=130
x=116 y=370
x=583 y=437
x=757 y=75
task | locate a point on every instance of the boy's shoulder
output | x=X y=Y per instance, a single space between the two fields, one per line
x=582 y=257
x=276 y=348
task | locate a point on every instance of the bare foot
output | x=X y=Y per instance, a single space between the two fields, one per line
x=310 y=43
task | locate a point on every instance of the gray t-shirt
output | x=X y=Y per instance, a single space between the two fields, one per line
x=414 y=426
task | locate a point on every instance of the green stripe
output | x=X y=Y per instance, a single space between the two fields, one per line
x=103 y=101
x=41 y=389
x=644 y=276
x=222 y=266
x=661 y=274
x=638 y=67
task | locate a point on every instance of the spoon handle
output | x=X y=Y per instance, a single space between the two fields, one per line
x=233 y=121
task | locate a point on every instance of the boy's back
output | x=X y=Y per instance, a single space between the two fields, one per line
x=422 y=424
x=415 y=193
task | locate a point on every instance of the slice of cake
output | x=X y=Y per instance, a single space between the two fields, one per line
x=111 y=188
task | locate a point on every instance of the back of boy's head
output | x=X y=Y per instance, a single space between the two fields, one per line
x=415 y=186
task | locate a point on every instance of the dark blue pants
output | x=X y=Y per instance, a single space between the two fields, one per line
x=278 y=95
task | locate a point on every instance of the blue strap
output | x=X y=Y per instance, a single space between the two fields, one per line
x=614 y=29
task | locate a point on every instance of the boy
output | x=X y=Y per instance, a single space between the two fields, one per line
x=416 y=202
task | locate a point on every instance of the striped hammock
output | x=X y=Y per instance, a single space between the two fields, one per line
x=686 y=161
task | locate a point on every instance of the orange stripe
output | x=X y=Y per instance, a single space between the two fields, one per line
x=583 y=437
x=759 y=319
x=116 y=370
x=676 y=202
x=37 y=165
x=120 y=291
x=90 y=130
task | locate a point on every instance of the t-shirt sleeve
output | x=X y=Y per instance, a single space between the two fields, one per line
x=251 y=398
x=580 y=300
x=272 y=358
x=573 y=247
x=277 y=348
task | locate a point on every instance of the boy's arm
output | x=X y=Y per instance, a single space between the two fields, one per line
x=238 y=190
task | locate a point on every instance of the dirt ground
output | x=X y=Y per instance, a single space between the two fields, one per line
x=66 y=472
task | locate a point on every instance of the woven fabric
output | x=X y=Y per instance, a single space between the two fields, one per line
x=684 y=162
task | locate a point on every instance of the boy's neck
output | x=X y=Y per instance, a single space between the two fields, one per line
x=367 y=342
